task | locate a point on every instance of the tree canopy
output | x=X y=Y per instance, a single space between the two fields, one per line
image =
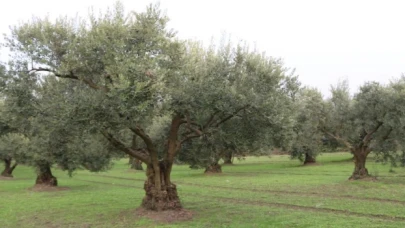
x=132 y=77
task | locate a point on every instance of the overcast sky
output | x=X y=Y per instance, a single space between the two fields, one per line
x=325 y=40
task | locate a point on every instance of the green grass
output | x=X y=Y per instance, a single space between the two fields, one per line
x=256 y=192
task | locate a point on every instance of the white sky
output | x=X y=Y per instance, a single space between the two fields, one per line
x=324 y=40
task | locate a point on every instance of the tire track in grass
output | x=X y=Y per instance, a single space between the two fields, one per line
x=306 y=208
x=284 y=205
x=369 y=199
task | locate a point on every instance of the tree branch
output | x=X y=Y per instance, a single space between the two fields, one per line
x=71 y=75
x=346 y=143
x=231 y=115
x=136 y=153
x=367 y=138
x=188 y=137
x=13 y=166
x=210 y=120
x=41 y=69
x=173 y=144
x=145 y=137
x=385 y=137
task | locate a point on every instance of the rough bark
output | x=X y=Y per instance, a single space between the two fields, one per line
x=8 y=168
x=161 y=193
x=360 y=157
x=309 y=159
x=135 y=163
x=213 y=168
x=45 y=177
x=228 y=158
x=161 y=196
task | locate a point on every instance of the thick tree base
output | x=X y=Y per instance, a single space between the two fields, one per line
x=45 y=177
x=8 y=169
x=310 y=163
x=361 y=174
x=6 y=174
x=215 y=168
x=309 y=160
x=161 y=200
x=52 y=182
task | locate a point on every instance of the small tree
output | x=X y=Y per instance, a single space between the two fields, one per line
x=310 y=118
x=12 y=146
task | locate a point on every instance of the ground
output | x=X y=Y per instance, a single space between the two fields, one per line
x=256 y=192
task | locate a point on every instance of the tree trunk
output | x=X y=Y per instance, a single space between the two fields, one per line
x=135 y=163
x=213 y=168
x=161 y=194
x=228 y=158
x=8 y=168
x=309 y=159
x=360 y=157
x=45 y=177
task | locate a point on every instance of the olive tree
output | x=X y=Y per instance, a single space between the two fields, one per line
x=138 y=80
x=370 y=121
x=35 y=109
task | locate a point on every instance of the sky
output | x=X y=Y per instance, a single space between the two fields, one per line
x=324 y=40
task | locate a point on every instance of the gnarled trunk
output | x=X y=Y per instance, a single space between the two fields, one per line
x=213 y=168
x=135 y=163
x=309 y=159
x=8 y=168
x=360 y=157
x=161 y=194
x=45 y=177
x=228 y=158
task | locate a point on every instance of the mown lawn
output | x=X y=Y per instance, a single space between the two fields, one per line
x=256 y=192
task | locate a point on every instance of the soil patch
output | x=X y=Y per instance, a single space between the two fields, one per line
x=212 y=173
x=6 y=178
x=169 y=216
x=369 y=178
x=44 y=188
x=311 y=164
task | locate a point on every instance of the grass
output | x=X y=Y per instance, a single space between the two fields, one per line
x=256 y=192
